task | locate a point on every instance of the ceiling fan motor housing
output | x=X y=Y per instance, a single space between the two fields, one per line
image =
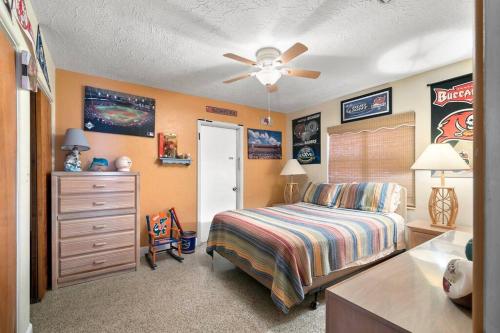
x=266 y=56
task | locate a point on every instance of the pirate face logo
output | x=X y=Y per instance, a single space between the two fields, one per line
x=458 y=125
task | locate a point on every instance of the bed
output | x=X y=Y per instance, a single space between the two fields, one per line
x=298 y=249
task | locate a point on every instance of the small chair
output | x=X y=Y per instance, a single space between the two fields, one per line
x=164 y=236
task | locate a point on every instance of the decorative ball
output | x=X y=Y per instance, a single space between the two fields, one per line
x=123 y=163
x=457 y=281
x=468 y=250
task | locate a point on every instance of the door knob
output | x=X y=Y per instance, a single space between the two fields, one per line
x=235 y=189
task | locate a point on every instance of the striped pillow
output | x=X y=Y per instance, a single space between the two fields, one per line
x=323 y=194
x=372 y=197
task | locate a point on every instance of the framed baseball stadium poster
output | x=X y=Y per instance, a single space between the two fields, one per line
x=113 y=112
x=452 y=118
x=307 y=139
x=375 y=104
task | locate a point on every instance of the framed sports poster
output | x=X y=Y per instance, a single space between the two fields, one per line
x=113 y=112
x=452 y=118
x=264 y=145
x=24 y=22
x=375 y=104
x=40 y=54
x=307 y=139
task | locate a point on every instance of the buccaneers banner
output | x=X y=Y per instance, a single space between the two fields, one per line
x=452 y=117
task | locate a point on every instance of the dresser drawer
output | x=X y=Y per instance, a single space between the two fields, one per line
x=76 y=185
x=88 y=244
x=95 y=262
x=85 y=203
x=96 y=226
x=417 y=238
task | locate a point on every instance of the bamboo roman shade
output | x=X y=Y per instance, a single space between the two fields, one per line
x=380 y=149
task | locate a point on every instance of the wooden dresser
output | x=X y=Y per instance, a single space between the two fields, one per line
x=95 y=219
x=403 y=294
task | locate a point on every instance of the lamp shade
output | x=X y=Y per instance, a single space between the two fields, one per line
x=75 y=138
x=291 y=168
x=440 y=157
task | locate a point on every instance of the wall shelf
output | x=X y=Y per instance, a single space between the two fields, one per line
x=170 y=160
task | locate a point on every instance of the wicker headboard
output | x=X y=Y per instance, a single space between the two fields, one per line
x=402 y=204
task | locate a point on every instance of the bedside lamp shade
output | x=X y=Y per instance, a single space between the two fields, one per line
x=440 y=157
x=75 y=138
x=291 y=168
x=443 y=202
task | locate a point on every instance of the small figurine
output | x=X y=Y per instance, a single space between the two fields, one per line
x=99 y=164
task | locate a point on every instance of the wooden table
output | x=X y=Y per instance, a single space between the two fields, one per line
x=403 y=294
x=420 y=231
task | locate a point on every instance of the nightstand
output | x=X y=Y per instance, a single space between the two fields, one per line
x=420 y=231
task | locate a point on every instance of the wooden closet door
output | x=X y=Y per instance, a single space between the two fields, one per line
x=8 y=162
x=41 y=167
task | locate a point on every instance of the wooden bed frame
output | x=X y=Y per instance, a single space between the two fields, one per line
x=321 y=283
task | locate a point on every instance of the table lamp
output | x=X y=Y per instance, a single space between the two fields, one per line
x=74 y=142
x=443 y=203
x=292 y=168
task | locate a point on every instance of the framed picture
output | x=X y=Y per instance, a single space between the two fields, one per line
x=109 y=111
x=264 y=145
x=40 y=54
x=375 y=104
x=452 y=118
x=24 y=22
x=307 y=139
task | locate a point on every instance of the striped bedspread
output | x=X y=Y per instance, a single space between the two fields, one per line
x=289 y=245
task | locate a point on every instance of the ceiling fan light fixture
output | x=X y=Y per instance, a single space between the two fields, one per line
x=268 y=76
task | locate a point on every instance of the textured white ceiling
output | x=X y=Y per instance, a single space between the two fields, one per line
x=178 y=44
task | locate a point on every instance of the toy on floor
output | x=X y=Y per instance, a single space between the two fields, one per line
x=188 y=237
x=164 y=236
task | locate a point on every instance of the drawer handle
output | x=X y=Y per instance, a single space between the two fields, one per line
x=99 y=186
x=99 y=203
x=98 y=262
x=99 y=244
x=102 y=226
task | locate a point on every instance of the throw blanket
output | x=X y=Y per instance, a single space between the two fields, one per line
x=289 y=245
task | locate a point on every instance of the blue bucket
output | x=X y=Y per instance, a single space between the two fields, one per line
x=188 y=241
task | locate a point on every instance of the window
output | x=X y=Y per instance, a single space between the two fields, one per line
x=380 y=149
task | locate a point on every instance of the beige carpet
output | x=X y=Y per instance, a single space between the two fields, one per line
x=187 y=297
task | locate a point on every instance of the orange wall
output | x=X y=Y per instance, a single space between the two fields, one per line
x=163 y=187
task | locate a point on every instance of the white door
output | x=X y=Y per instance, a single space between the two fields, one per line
x=218 y=173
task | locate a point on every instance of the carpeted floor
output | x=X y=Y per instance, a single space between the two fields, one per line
x=187 y=297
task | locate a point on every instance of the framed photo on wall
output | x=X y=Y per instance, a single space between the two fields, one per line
x=374 y=104
x=264 y=145
x=113 y=112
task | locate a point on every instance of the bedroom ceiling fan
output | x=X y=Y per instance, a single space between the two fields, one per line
x=271 y=65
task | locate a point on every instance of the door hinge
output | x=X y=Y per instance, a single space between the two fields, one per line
x=199 y=137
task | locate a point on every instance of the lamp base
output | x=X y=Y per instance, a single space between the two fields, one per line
x=443 y=207
x=291 y=193
x=72 y=162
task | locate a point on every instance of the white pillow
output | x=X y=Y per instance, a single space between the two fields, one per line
x=396 y=199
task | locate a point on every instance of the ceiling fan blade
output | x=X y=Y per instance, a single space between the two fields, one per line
x=293 y=52
x=240 y=59
x=302 y=73
x=272 y=88
x=239 y=77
